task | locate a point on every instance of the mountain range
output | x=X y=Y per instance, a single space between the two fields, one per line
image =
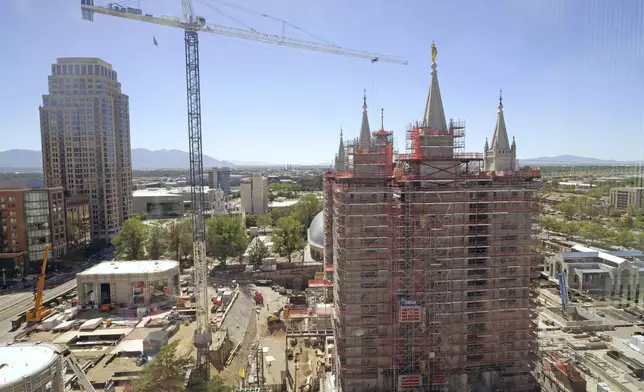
x=564 y=160
x=144 y=159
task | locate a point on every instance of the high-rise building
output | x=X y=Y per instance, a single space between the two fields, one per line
x=254 y=194
x=213 y=178
x=433 y=260
x=85 y=130
x=219 y=177
x=223 y=177
x=30 y=219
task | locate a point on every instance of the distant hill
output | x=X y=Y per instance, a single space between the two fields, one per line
x=142 y=159
x=572 y=160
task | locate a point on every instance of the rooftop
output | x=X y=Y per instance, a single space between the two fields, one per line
x=130 y=267
x=23 y=360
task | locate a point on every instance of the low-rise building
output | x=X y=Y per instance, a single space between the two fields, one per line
x=621 y=198
x=30 y=219
x=129 y=283
x=158 y=204
x=254 y=194
x=600 y=272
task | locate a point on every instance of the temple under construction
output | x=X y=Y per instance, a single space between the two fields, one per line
x=433 y=259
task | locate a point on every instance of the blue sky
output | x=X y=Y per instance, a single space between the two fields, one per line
x=571 y=73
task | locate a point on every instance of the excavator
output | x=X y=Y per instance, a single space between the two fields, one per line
x=40 y=312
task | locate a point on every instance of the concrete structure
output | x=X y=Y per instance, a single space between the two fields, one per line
x=433 y=261
x=29 y=219
x=29 y=367
x=213 y=178
x=315 y=237
x=129 y=283
x=600 y=272
x=254 y=194
x=219 y=177
x=85 y=132
x=158 y=204
x=622 y=198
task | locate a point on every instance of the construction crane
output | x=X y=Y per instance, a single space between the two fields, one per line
x=40 y=312
x=191 y=25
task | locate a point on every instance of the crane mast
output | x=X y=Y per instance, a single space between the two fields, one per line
x=203 y=333
x=191 y=26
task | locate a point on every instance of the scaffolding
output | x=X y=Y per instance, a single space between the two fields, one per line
x=433 y=267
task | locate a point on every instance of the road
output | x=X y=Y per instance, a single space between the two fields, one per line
x=12 y=305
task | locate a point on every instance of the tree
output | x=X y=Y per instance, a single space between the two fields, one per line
x=130 y=242
x=167 y=372
x=179 y=237
x=251 y=220
x=569 y=207
x=257 y=252
x=225 y=237
x=263 y=221
x=287 y=237
x=306 y=209
x=624 y=237
x=156 y=241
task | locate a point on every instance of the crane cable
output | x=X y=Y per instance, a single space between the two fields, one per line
x=284 y=22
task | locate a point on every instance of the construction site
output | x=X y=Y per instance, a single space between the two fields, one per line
x=433 y=259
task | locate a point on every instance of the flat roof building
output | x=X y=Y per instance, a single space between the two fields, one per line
x=26 y=367
x=129 y=284
x=254 y=194
x=30 y=219
x=623 y=198
x=85 y=136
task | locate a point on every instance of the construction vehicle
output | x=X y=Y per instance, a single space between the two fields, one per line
x=192 y=25
x=274 y=322
x=40 y=312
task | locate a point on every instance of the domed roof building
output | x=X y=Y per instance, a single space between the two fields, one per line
x=315 y=237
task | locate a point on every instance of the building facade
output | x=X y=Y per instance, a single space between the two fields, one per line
x=623 y=198
x=612 y=274
x=30 y=219
x=129 y=283
x=85 y=131
x=254 y=194
x=213 y=178
x=433 y=261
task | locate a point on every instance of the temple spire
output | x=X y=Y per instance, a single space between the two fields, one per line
x=500 y=141
x=340 y=157
x=365 y=131
x=434 y=113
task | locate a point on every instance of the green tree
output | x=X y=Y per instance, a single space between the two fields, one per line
x=624 y=237
x=569 y=207
x=251 y=220
x=257 y=252
x=263 y=221
x=130 y=242
x=167 y=372
x=179 y=237
x=156 y=241
x=287 y=237
x=306 y=209
x=225 y=237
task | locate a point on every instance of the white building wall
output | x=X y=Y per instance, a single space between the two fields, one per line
x=254 y=194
